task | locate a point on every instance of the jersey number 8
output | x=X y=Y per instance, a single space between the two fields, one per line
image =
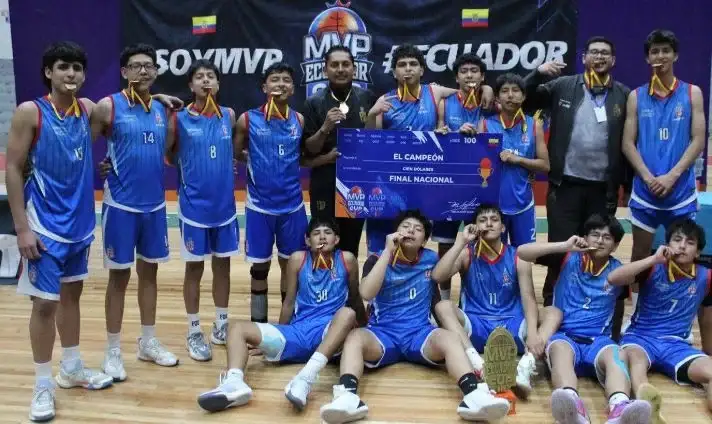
x=213 y=152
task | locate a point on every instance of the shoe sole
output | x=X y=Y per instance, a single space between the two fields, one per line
x=652 y=395
x=295 y=401
x=563 y=408
x=66 y=384
x=335 y=416
x=487 y=413
x=637 y=413
x=42 y=419
x=118 y=379
x=148 y=359
x=216 y=403
x=218 y=342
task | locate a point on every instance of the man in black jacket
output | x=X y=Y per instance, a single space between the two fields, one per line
x=340 y=104
x=587 y=165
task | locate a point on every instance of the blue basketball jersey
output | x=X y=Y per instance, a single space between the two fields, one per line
x=586 y=300
x=667 y=307
x=320 y=292
x=491 y=287
x=456 y=114
x=420 y=115
x=664 y=133
x=59 y=192
x=206 y=193
x=136 y=148
x=406 y=294
x=274 y=148
x=515 y=191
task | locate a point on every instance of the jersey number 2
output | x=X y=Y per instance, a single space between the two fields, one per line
x=587 y=303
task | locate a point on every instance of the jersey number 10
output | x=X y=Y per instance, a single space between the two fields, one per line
x=664 y=133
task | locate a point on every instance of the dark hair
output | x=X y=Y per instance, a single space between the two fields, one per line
x=204 y=64
x=134 y=49
x=483 y=208
x=661 y=36
x=408 y=50
x=688 y=228
x=508 y=78
x=337 y=48
x=65 y=51
x=317 y=221
x=469 y=59
x=277 y=68
x=600 y=39
x=599 y=222
x=417 y=215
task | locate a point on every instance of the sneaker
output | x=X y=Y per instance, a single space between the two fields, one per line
x=652 y=395
x=525 y=370
x=219 y=334
x=113 y=365
x=83 y=377
x=42 y=406
x=198 y=349
x=151 y=350
x=482 y=405
x=345 y=407
x=297 y=392
x=567 y=408
x=630 y=412
x=231 y=391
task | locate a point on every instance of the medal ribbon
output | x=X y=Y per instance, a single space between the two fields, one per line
x=133 y=97
x=339 y=101
x=588 y=266
x=481 y=243
x=656 y=81
x=674 y=268
x=323 y=262
x=594 y=83
x=273 y=111
x=74 y=109
x=404 y=95
x=400 y=256
x=211 y=107
x=519 y=116
x=471 y=101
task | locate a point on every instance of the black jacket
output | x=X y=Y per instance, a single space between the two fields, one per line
x=561 y=98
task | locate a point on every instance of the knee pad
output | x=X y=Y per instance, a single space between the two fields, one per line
x=273 y=342
x=259 y=274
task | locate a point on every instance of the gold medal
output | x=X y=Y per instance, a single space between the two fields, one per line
x=344 y=108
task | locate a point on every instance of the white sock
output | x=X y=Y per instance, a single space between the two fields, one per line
x=572 y=391
x=71 y=358
x=315 y=364
x=475 y=358
x=193 y=323
x=43 y=373
x=617 y=398
x=148 y=332
x=220 y=317
x=445 y=294
x=236 y=371
x=113 y=340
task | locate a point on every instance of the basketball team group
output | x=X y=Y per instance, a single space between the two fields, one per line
x=598 y=130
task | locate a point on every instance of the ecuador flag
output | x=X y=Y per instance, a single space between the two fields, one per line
x=204 y=24
x=475 y=18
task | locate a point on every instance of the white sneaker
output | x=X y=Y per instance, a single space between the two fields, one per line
x=297 y=392
x=42 y=406
x=198 y=348
x=567 y=408
x=477 y=362
x=218 y=336
x=345 y=407
x=83 y=377
x=151 y=350
x=482 y=405
x=113 y=364
x=231 y=391
x=525 y=370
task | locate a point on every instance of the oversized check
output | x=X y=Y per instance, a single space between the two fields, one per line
x=382 y=172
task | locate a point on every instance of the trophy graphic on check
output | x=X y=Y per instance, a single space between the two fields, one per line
x=485 y=170
x=501 y=365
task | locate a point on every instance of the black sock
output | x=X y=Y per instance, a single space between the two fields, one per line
x=284 y=294
x=571 y=388
x=467 y=383
x=350 y=382
x=258 y=306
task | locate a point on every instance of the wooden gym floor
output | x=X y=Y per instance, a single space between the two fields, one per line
x=402 y=393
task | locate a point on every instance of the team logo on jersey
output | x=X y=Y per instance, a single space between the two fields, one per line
x=159 y=120
x=110 y=252
x=506 y=279
x=337 y=25
x=692 y=290
x=607 y=288
x=427 y=274
x=293 y=131
x=678 y=112
x=225 y=132
x=525 y=138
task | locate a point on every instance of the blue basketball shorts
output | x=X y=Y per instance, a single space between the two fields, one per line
x=650 y=219
x=126 y=232
x=479 y=329
x=262 y=230
x=399 y=345
x=292 y=343
x=520 y=228
x=665 y=355
x=586 y=353
x=200 y=243
x=60 y=263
